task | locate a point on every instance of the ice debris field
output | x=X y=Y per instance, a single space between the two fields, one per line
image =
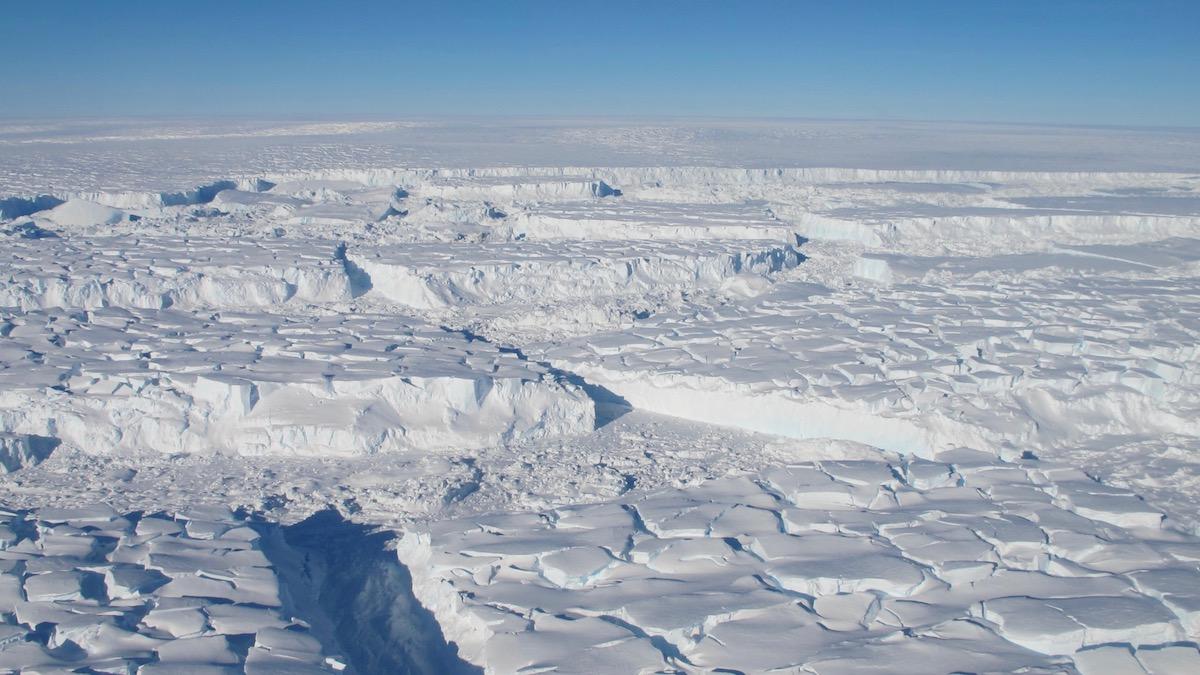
x=337 y=398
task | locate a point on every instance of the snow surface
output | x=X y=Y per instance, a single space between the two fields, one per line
x=598 y=397
x=114 y=380
x=840 y=566
x=975 y=359
x=428 y=276
x=149 y=272
x=89 y=588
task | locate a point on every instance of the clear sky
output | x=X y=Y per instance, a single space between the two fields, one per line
x=1120 y=62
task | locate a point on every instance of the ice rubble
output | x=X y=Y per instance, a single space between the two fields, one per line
x=89 y=588
x=110 y=380
x=964 y=564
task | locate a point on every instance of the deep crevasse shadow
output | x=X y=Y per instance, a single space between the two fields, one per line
x=365 y=597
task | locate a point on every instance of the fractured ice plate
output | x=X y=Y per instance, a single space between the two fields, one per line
x=438 y=275
x=264 y=384
x=759 y=573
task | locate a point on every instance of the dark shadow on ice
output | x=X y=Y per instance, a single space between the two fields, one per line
x=28 y=230
x=360 y=281
x=366 y=594
x=15 y=207
x=609 y=405
x=19 y=451
x=602 y=189
x=201 y=194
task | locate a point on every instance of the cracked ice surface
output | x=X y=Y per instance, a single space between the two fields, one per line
x=918 y=367
x=377 y=320
x=89 y=588
x=430 y=275
x=651 y=220
x=158 y=272
x=964 y=564
x=112 y=380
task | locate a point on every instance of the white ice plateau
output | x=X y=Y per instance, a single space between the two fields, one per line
x=574 y=397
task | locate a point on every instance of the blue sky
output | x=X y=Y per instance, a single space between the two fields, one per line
x=1053 y=61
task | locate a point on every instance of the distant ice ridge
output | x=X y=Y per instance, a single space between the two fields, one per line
x=200 y=194
x=963 y=564
x=1015 y=231
x=102 y=131
x=612 y=220
x=113 y=380
x=153 y=154
x=911 y=211
x=630 y=177
x=154 y=272
x=1165 y=257
x=438 y=276
x=581 y=182
x=512 y=187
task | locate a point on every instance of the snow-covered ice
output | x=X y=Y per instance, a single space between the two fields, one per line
x=980 y=359
x=124 y=379
x=155 y=272
x=87 y=589
x=962 y=565
x=428 y=276
x=650 y=220
x=598 y=397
